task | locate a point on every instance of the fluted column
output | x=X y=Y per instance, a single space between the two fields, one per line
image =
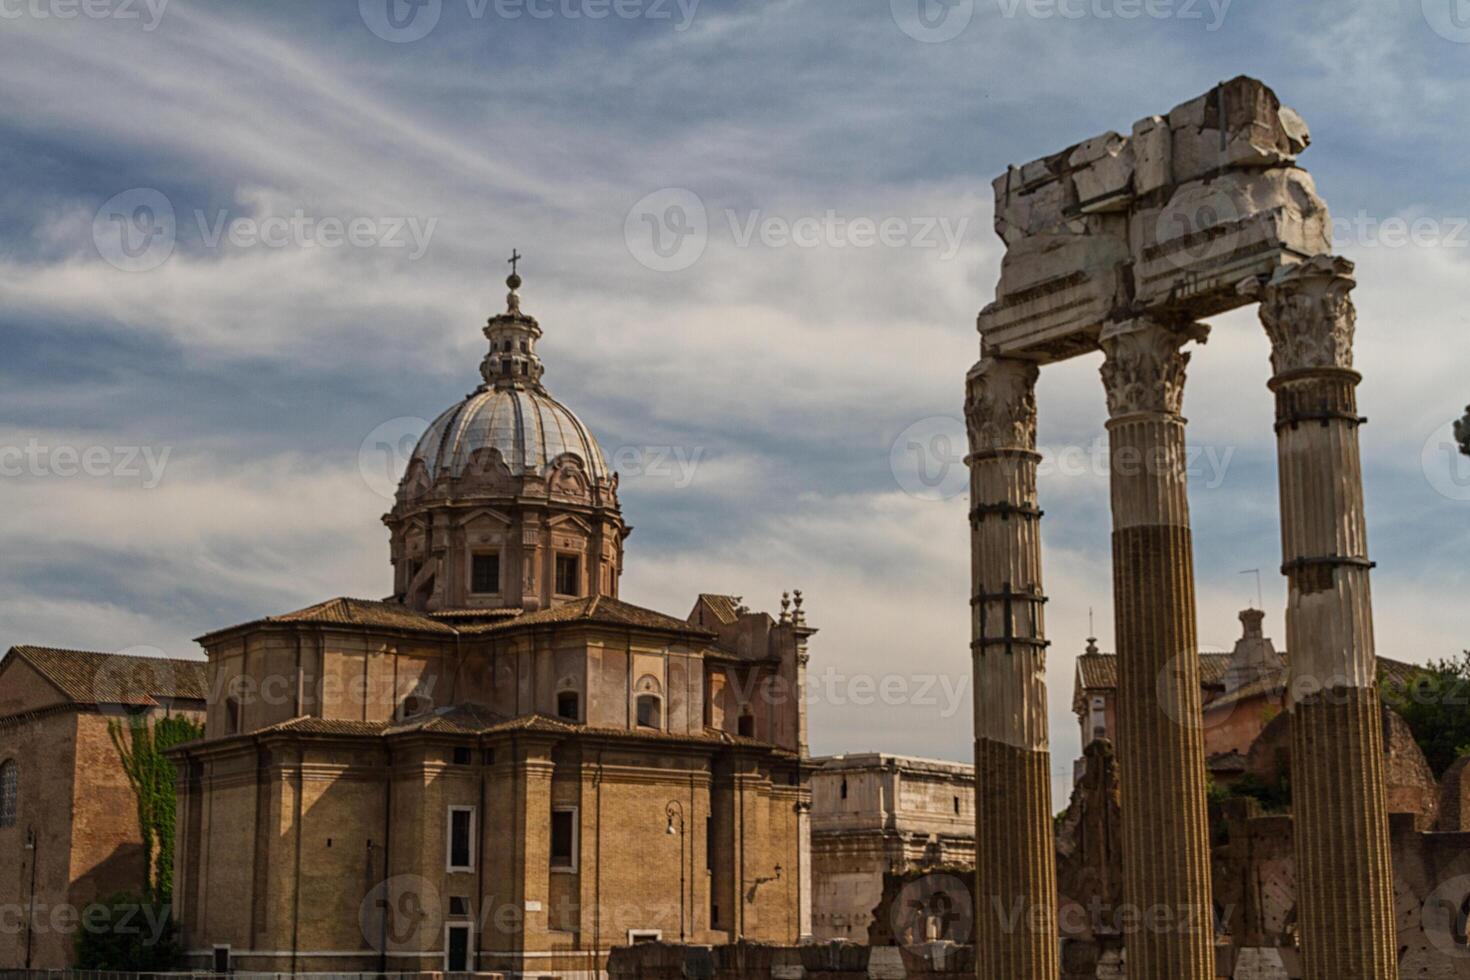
x=1344 y=875
x=1016 y=893
x=1161 y=760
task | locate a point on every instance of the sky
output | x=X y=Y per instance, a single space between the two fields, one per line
x=246 y=249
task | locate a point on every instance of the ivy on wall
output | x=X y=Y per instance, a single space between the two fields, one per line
x=152 y=776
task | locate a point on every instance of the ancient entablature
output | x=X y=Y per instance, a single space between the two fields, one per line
x=1167 y=221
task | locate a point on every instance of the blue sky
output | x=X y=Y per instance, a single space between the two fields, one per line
x=268 y=368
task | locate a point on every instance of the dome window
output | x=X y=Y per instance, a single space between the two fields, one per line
x=485 y=573
x=568 y=575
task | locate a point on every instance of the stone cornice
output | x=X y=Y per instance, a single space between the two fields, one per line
x=1144 y=368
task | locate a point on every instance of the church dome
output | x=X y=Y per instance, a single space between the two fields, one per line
x=530 y=429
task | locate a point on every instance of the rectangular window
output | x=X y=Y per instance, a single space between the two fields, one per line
x=564 y=839
x=568 y=577
x=639 y=936
x=485 y=573
x=222 y=959
x=709 y=844
x=461 y=838
x=457 y=948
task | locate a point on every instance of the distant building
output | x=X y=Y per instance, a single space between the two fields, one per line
x=873 y=814
x=69 y=829
x=1242 y=693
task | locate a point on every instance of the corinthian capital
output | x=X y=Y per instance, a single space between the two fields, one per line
x=1000 y=404
x=1143 y=369
x=1308 y=314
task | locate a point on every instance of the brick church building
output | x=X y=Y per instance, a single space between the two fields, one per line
x=504 y=766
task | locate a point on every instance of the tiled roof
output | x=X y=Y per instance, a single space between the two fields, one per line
x=594 y=609
x=363 y=612
x=725 y=607
x=1099 y=671
x=478 y=720
x=92 y=677
x=1393 y=672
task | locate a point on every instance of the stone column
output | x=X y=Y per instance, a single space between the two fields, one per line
x=1343 y=872
x=1016 y=893
x=1161 y=759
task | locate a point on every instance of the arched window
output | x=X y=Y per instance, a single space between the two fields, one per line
x=232 y=716
x=650 y=711
x=9 y=792
x=650 y=703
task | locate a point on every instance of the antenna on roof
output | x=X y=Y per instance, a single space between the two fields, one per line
x=1260 y=602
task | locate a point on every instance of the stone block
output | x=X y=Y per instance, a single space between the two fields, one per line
x=1191 y=252
x=1152 y=150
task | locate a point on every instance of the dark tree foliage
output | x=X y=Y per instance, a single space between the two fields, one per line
x=127 y=933
x=1436 y=704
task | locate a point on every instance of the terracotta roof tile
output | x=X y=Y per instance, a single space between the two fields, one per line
x=363 y=612
x=725 y=607
x=595 y=609
x=93 y=677
x=1099 y=671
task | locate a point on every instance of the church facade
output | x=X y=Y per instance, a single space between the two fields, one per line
x=503 y=767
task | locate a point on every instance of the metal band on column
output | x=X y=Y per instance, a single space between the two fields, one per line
x=1016 y=887
x=1344 y=876
x=1166 y=851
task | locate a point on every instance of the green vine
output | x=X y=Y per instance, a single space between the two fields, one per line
x=152 y=776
